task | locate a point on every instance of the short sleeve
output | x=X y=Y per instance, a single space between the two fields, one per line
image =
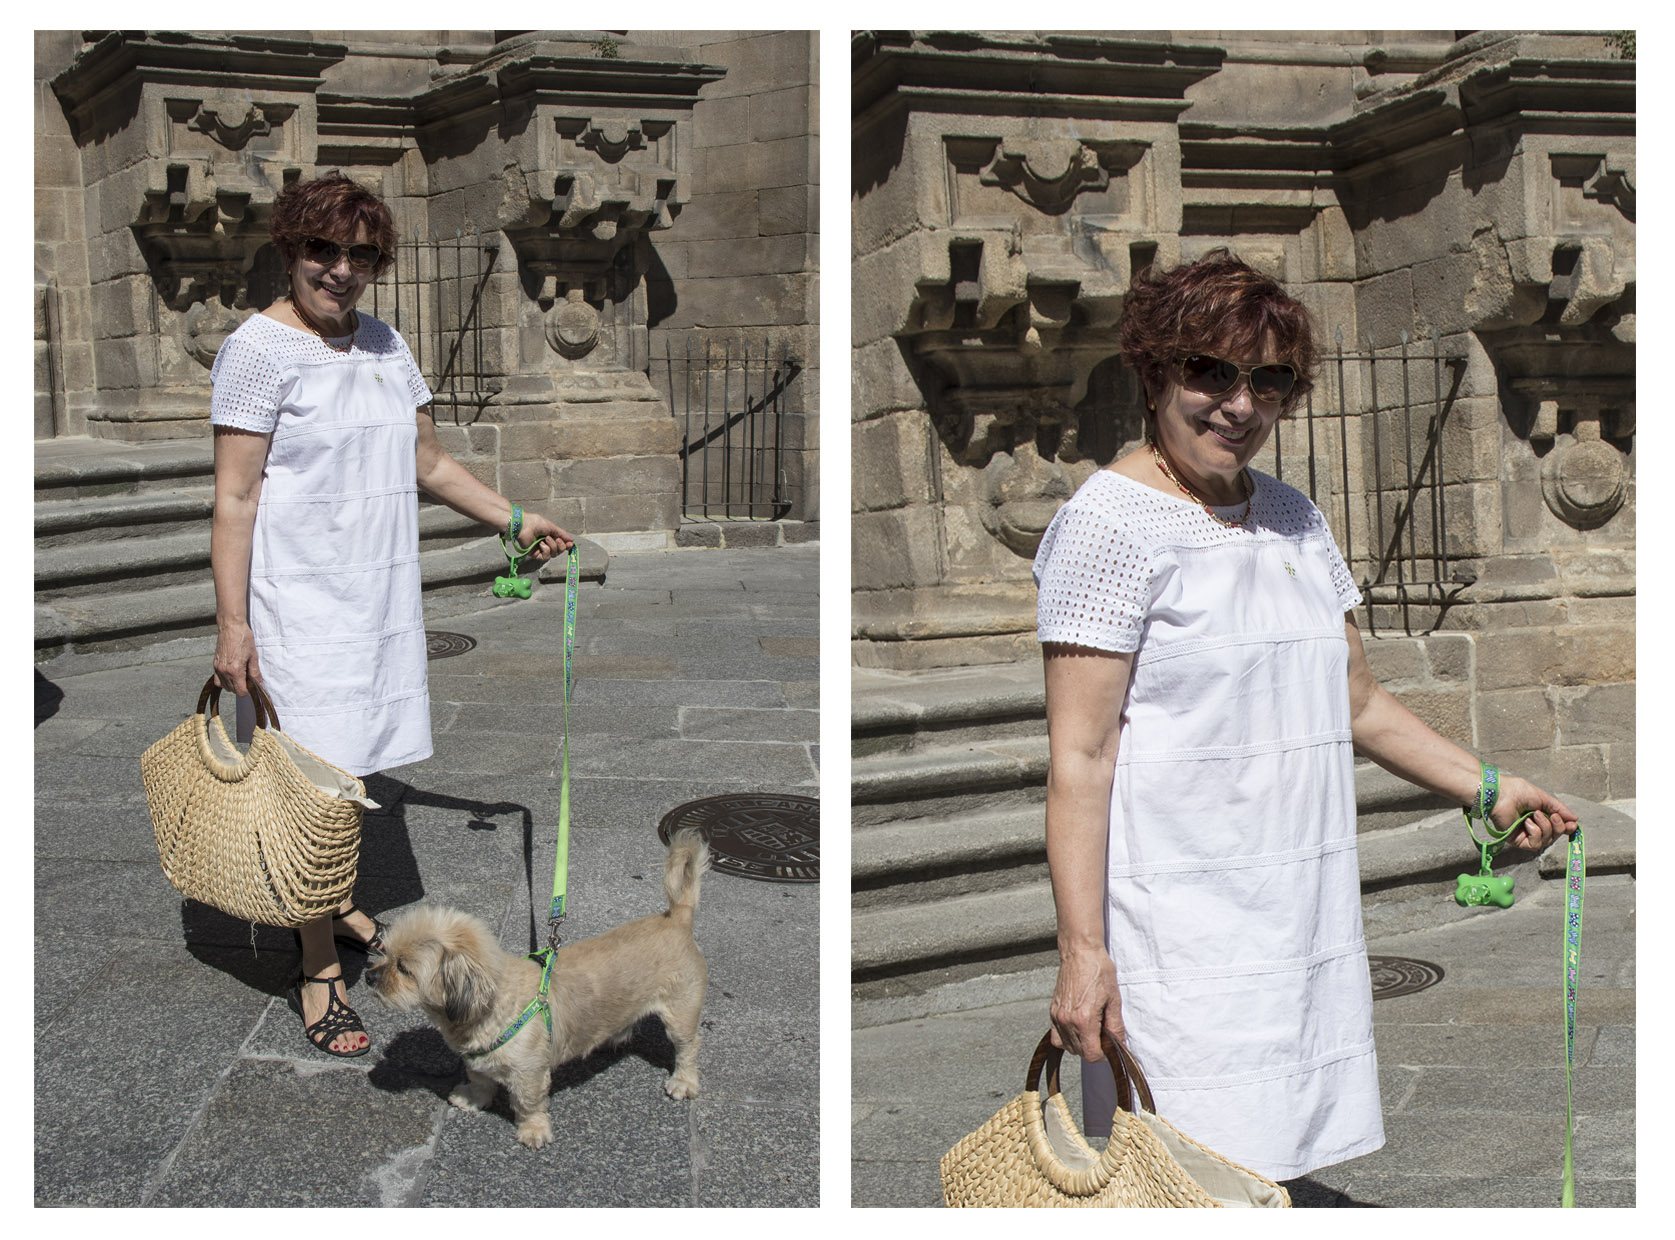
x=248 y=386
x=416 y=385
x=1093 y=581
x=1342 y=580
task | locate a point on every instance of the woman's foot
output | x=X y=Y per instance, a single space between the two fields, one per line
x=359 y=930
x=328 y=1020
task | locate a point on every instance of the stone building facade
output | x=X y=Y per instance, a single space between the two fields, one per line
x=577 y=206
x=1466 y=203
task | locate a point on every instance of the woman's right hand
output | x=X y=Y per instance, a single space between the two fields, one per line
x=236 y=666
x=1084 y=999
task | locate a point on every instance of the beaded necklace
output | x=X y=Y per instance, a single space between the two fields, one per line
x=1232 y=523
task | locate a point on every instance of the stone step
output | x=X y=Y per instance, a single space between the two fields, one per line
x=904 y=711
x=1016 y=919
x=59 y=522
x=923 y=859
x=948 y=780
x=132 y=618
x=91 y=563
x=895 y=940
x=84 y=467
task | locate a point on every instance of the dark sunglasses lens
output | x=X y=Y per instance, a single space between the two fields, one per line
x=1208 y=376
x=1273 y=382
x=362 y=257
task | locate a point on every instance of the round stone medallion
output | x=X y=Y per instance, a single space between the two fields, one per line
x=1585 y=483
x=773 y=837
x=1394 y=976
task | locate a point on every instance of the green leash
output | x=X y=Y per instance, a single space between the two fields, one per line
x=540 y=1005
x=1487 y=888
x=1576 y=874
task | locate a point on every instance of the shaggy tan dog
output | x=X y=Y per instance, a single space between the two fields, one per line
x=448 y=965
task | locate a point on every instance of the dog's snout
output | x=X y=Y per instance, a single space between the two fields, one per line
x=374 y=971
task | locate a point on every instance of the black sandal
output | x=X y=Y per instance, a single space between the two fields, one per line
x=339 y=1018
x=373 y=946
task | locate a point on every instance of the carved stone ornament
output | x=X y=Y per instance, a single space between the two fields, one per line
x=230 y=122
x=1585 y=482
x=206 y=327
x=1048 y=174
x=1022 y=491
x=573 y=326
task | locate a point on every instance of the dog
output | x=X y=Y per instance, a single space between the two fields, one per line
x=448 y=965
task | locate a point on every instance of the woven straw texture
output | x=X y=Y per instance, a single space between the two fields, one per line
x=254 y=838
x=1011 y=1161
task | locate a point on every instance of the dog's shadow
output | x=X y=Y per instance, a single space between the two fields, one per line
x=420 y=1059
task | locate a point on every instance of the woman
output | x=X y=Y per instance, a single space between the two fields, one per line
x=1206 y=692
x=319 y=454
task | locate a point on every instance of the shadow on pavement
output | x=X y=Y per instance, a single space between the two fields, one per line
x=1309 y=1194
x=47 y=698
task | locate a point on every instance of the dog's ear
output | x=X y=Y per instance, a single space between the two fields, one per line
x=467 y=989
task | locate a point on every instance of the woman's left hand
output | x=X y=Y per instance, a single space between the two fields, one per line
x=551 y=540
x=1549 y=817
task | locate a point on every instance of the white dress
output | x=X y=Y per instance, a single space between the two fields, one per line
x=1233 y=906
x=334 y=559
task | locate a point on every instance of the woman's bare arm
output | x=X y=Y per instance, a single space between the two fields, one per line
x=1085 y=691
x=240 y=458
x=1399 y=741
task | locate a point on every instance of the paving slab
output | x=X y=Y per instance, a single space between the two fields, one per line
x=930 y=1064
x=169 y=1067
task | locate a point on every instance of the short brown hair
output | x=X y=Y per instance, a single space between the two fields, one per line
x=1218 y=303
x=333 y=207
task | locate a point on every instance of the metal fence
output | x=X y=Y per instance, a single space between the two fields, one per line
x=732 y=403
x=433 y=296
x=1367 y=447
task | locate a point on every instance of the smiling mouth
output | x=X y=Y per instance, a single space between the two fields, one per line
x=1232 y=438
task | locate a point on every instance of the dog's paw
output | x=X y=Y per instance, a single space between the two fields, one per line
x=535 y=1131
x=467 y=1097
x=682 y=1085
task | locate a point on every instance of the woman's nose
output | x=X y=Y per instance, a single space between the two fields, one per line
x=1239 y=401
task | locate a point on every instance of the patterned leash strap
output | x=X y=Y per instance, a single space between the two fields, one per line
x=561 y=852
x=1576 y=874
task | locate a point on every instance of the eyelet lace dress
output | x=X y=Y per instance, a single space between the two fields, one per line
x=1233 y=906
x=334 y=558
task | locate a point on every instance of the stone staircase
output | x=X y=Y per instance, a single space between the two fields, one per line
x=949 y=860
x=122 y=546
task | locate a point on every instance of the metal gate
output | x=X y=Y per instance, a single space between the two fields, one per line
x=732 y=403
x=1370 y=456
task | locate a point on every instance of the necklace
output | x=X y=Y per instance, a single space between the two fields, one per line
x=1231 y=523
x=354 y=326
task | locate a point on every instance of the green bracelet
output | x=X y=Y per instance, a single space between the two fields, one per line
x=514 y=527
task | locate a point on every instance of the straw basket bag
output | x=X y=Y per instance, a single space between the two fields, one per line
x=271 y=836
x=1029 y=1153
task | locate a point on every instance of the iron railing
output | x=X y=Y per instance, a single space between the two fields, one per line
x=1367 y=447
x=731 y=401
x=434 y=296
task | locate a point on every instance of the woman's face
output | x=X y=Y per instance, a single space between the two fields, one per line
x=1212 y=438
x=327 y=292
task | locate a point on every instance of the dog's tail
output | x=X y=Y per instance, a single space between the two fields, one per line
x=689 y=857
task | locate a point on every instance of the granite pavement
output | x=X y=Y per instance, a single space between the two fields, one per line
x=169 y=1070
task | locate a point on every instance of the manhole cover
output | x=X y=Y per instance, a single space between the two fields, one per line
x=440 y=645
x=1396 y=975
x=755 y=835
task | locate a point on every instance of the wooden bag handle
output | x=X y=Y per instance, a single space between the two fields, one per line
x=1123 y=1068
x=266 y=715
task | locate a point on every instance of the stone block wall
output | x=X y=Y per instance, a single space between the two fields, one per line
x=740 y=267
x=571 y=153
x=1474 y=196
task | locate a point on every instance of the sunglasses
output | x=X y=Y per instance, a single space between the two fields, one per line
x=1215 y=376
x=362 y=257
